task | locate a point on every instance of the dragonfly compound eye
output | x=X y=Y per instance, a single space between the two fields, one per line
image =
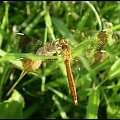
x=63 y=41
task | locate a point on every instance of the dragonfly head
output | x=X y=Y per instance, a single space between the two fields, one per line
x=60 y=42
x=63 y=41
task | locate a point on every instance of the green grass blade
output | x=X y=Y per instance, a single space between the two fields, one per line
x=48 y=21
x=63 y=29
x=114 y=70
x=60 y=108
x=93 y=104
x=96 y=14
x=13 y=56
x=34 y=22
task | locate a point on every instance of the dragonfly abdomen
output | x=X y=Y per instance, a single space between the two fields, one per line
x=71 y=81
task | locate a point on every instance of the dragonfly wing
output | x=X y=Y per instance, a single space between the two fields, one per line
x=28 y=44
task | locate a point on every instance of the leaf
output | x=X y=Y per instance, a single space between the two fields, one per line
x=63 y=29
x=13 y=56
x=93 y=104
x=115 y=69
x=13 y=107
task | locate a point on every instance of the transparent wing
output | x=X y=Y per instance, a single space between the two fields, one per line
x=28 y=44
x=91 y=51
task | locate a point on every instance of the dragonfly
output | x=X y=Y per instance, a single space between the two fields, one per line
x=26 y=45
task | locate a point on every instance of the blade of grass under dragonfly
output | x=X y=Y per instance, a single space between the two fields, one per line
x=20 y=77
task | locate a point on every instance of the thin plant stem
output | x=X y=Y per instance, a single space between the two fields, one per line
x=15 y=84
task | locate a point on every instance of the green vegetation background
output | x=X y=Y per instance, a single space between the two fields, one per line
x=45 y=93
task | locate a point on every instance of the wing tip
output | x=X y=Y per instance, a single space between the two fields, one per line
x=20 y=33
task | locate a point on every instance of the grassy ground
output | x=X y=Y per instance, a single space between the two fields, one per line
x=45 y=93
